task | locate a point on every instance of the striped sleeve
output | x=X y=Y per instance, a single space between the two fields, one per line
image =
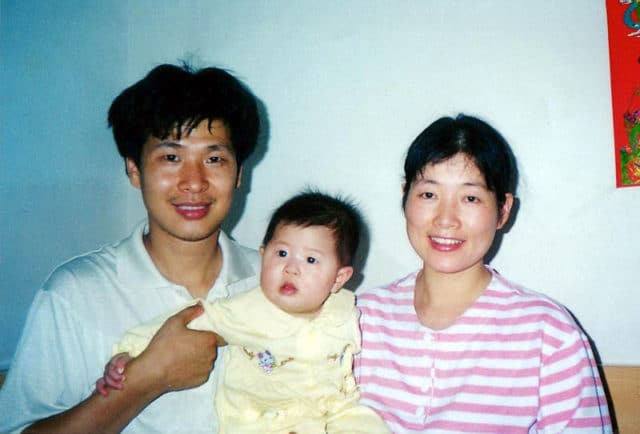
x=572 y=397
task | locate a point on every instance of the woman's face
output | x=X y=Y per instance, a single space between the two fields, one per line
x=451 y=216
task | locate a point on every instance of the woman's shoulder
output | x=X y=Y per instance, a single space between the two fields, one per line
x=501 y=286
x=511 y=298
x=400 y=288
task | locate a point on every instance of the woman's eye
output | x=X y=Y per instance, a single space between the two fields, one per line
x=311 y=260
x=282 y=253
x=427 y=195
x=472 y=199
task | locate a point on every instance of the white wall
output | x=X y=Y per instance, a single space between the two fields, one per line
x=347 y=84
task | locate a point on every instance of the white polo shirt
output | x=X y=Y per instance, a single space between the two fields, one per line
x=83 y=309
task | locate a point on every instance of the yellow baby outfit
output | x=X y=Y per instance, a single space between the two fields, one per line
x=284 y=374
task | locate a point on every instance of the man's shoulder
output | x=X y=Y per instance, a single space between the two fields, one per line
x=239 y=251
x=240 y=263
x=93 y=266
x=84 y=265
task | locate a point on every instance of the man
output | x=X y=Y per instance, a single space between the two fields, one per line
x=184 y=135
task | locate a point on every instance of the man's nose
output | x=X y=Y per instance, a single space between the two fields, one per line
x=192 y=178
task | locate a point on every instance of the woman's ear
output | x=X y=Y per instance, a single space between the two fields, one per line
x=505 y=210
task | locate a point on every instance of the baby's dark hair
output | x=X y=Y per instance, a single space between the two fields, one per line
x=313 y=208
x=476 y=139
x=175 y=99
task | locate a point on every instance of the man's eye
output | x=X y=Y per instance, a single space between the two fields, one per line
x=171 y=157
x=214 y=160
x=311 y=260
x=282 y=253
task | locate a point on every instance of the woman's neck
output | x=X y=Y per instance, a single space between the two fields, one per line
x=440 y=298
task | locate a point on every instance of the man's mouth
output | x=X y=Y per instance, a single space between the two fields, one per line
x=193 y=211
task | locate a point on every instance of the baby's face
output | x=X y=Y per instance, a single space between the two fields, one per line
x=300 y=268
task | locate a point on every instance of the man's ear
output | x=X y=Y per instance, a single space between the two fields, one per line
x=133 y=172
x=505 y=210
x=344 y=274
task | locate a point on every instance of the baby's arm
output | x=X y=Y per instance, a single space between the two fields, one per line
x=135 y=341
x=131 y=345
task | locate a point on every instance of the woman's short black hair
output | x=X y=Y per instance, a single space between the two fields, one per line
x=174 y=99
x=476 y=139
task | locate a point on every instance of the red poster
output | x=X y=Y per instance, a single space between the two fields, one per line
x=623 y=17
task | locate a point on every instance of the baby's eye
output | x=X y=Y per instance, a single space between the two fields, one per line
x=282 y=253
x=311 y=260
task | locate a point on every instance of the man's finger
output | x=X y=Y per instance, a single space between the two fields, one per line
x=189 y=313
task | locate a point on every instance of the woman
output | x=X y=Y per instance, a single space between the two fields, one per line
x=455 y=347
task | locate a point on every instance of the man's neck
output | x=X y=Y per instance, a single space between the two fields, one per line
x=192 y=264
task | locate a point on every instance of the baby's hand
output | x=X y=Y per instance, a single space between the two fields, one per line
x=113 y=374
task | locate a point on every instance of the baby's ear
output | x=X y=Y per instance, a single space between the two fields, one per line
x=343 y=276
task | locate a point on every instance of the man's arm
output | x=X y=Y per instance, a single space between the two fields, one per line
x=177 y=358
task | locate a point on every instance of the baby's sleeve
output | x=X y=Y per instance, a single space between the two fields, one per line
x=217 y=317
x=136 y=339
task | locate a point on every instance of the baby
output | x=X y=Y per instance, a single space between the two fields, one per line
x=291 y=340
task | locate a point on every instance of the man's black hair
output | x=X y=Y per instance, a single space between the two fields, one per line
x=174 y=99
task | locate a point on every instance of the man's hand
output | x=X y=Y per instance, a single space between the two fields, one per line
x=178 y=357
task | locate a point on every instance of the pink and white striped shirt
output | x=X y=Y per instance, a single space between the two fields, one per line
x=514 y=362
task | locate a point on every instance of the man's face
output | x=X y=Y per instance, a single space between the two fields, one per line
x=187 y=184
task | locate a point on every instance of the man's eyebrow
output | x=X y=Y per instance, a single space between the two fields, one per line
x=220 y=147
x=174 y=145
x=167 y=144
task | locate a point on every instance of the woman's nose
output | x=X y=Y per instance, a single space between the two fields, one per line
x=447 y=215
